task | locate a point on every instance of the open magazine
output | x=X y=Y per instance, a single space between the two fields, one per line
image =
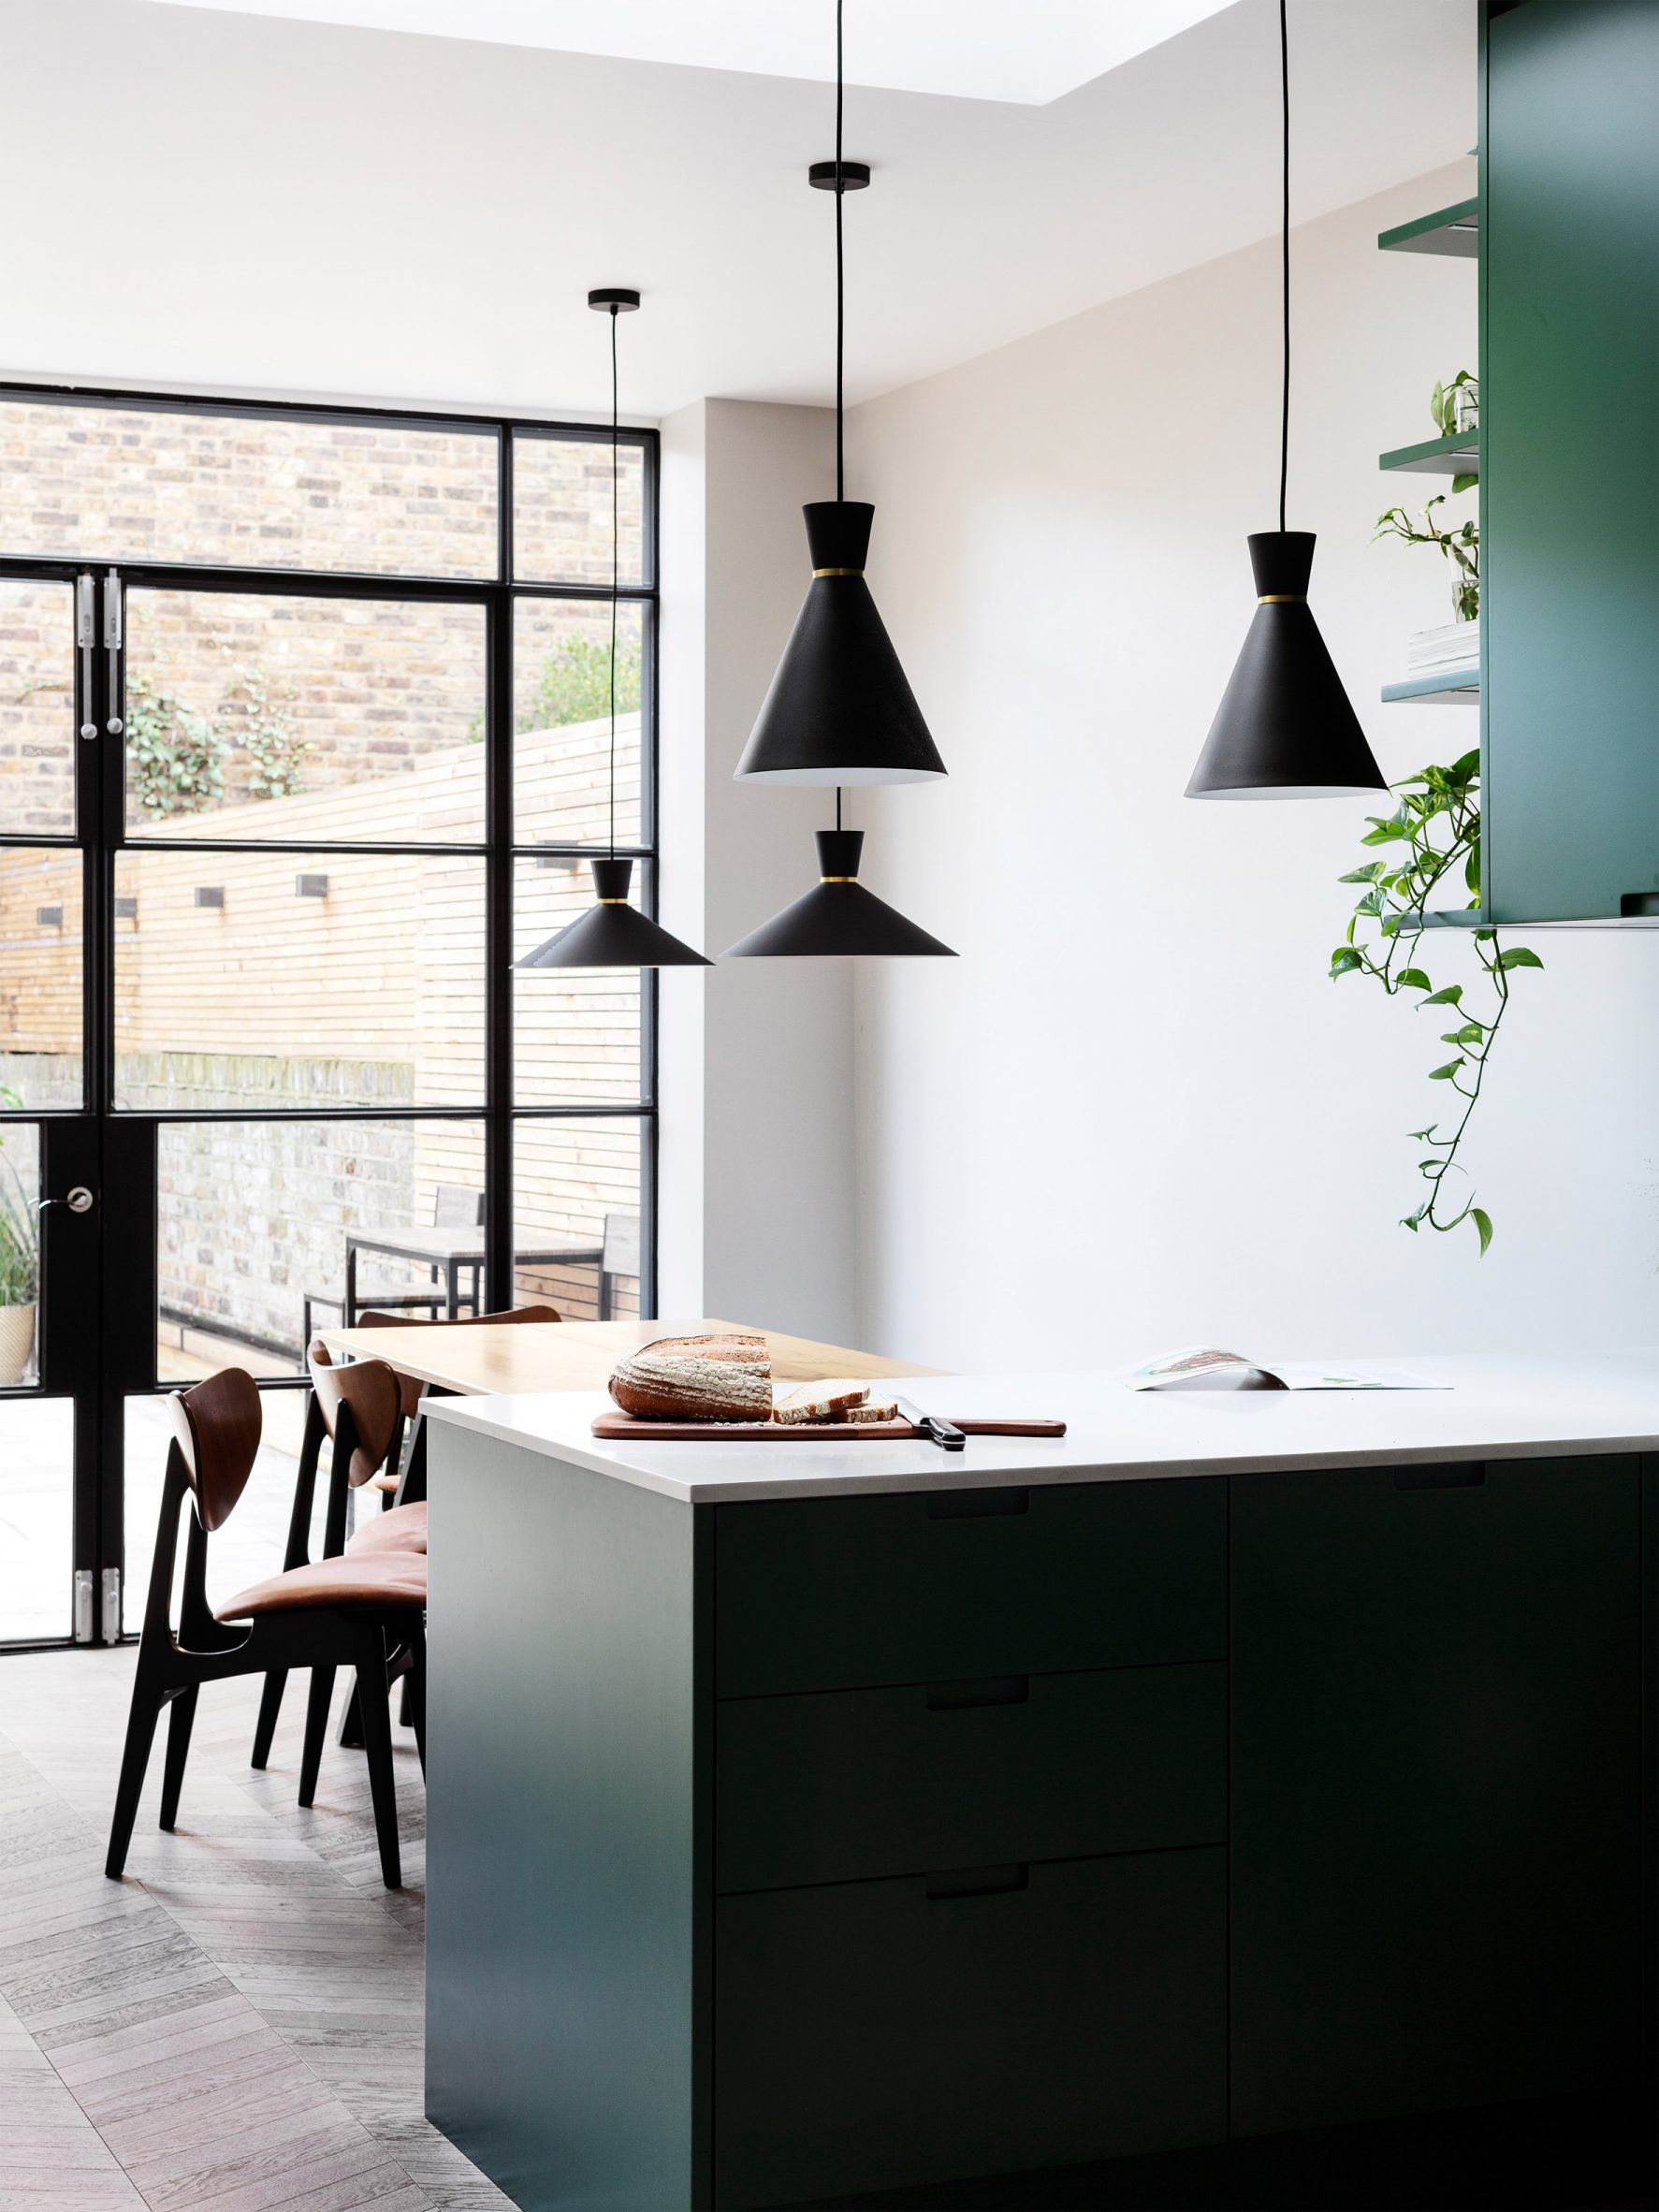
x=1204 y=1367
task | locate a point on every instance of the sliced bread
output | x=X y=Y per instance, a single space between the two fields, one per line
x=660 y=1387
x=873 y=1409
x=821 y=1400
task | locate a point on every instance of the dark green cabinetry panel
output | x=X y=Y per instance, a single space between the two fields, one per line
x=839 y=1592
x=851 y=1784
x=1569 y=481
x=869 y=2035
x=1437 y=1772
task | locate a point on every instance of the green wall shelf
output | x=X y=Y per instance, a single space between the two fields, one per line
x=1456 y=456
x=1449 y=230
x=1444 y=688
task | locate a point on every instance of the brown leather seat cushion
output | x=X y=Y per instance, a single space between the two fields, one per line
x=400 y=1528
x=383 y=1579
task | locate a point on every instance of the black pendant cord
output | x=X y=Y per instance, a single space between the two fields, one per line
x=840 y=277
x=1284 y=235
x=616 y=576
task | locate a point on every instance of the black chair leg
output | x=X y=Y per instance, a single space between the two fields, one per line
x=270 y=1705
x=415 y=1693
x=316 y=1725
x=140 y=1735
x=350 y=1736
x=180 y=1723
x=377 y=1742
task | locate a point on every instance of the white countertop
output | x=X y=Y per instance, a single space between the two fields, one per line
x=1500 y=1406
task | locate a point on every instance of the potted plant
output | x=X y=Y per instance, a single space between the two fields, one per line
x=20 y=1263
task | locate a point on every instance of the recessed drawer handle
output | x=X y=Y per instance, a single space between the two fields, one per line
x=976 y=1504
x=1470 y=1475
x=959 y=1882
x=997 y=1689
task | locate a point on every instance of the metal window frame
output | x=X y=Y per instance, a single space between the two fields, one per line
x=100 y=836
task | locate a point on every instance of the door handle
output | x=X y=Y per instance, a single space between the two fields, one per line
x=78 y=1201
x=85 y=629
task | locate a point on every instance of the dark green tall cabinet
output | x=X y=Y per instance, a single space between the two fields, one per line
x=1569 y=467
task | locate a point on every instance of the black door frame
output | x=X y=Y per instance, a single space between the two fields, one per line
x=98 y=1315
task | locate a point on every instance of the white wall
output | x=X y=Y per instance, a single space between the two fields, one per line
x=757 y=1125
x=1135 y=1113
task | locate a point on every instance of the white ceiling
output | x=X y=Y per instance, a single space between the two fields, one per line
x=978 y=49
x=217 y=200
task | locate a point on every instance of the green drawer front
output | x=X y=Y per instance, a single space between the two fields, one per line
x=869 y=2035
x=835 y=1594
x=848 y=1783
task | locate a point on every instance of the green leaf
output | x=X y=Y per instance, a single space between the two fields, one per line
x=1423 y=1136
x=1517 y=956
x=1386 y=833
x=1445 y=1074
x=1450 y=996
x=1464 y=482
x=1343 y=961
x=1413 y=979
x=1467 y=769
x=1483 y=1227
x=1368 y=874
x=1471 y=1033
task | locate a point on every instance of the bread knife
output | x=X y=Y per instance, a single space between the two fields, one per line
x=942 y=1433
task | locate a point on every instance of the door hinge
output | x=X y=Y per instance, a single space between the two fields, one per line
x=111 y=1604
x=83 y=1604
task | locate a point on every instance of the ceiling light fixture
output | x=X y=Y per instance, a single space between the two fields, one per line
x=612 y=932
x=1284 y=728
x=840 y=709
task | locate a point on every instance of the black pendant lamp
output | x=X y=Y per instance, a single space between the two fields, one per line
x=612 y=932
x=840 y=709
x=838 y=919
x=1284 y=728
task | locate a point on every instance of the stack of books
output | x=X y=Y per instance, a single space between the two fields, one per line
x=1452 y=650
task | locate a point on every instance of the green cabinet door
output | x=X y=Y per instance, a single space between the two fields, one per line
x=1436 y=1779
x=1569 y=469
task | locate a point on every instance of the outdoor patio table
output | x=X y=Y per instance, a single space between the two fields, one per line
x=448 y=1252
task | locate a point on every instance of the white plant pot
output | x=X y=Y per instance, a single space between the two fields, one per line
x=16 y=1342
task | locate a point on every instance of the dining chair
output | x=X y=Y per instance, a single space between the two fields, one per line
x=387 y=1481
x=359 y=1612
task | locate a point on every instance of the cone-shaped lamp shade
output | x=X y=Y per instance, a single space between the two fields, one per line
x=840 y=709
x=613 y=934
x=1285 y=729
x=838 y=919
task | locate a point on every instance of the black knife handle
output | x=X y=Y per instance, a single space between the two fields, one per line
x=944 y=1433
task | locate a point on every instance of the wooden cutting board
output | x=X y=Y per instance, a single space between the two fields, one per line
x=618 y=1426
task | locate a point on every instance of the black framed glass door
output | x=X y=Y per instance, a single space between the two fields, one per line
x=269 y=838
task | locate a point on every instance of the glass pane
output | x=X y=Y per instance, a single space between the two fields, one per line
x=562 y=720
x=40 y=1002
x=37 y=707
x=20 y=1251
x=100 y=483
x=291 y=979
x=577 y=1204
x=259 y=1225
x=250 y=1544
x=561 y=510
x=36 y=1517
x=294 y=718
x=575 y=1030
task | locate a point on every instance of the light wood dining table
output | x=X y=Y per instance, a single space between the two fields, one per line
x=482 y=1358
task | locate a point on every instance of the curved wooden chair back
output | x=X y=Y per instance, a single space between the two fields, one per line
x=367 y=1397
x=217 y=1425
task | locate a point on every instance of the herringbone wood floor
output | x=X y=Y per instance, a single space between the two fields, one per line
x=237 y=2026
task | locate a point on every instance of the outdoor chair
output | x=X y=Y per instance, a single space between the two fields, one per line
x=367 y=1613
x=455 y=1206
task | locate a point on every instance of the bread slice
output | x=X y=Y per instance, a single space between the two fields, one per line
x=821 y=1400
x=740 y=1348
x=659 y=1387
x=873 y=1409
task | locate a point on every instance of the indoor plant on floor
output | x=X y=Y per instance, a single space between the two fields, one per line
x=20 y=1262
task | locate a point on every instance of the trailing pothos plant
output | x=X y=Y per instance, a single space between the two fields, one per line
x=1433 y=835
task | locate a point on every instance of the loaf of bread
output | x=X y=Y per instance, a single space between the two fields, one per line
x=737 y=1347
x=821 y=1400
x=676 y=1387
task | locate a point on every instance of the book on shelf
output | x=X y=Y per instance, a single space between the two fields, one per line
x=1455 y=645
